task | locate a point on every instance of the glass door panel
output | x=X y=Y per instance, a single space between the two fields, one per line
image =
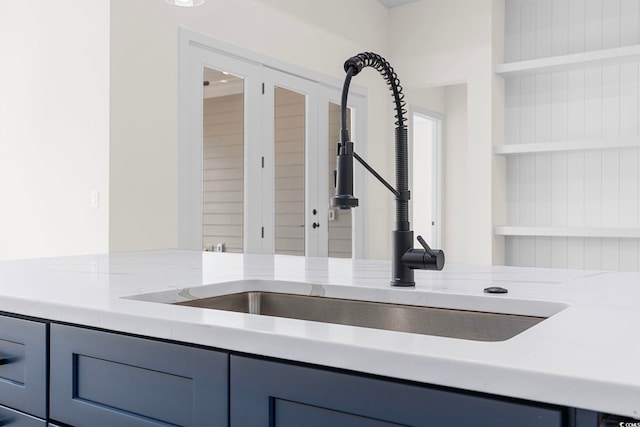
x=340 y=221
x=223 y=161
x=289 y=169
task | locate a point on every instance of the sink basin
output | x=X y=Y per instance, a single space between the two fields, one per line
x=478 y=318
x=471 y=325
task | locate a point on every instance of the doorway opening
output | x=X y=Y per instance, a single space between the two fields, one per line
x=426 y=174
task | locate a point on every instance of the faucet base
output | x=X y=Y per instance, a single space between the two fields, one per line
x=402 y=284
x=401 y=242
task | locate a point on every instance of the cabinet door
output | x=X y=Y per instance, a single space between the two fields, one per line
x=105 y=379
x=9 y=417
x=586 y=418
x=276 y=394
x=23 y=365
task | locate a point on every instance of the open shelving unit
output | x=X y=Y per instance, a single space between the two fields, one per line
x=572 y=134
x=561 y=63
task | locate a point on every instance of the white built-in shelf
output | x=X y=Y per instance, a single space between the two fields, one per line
x=550 y=147
x=612 y=232
x=568 y=62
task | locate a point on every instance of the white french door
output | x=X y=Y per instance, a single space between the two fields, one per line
x=196 y=62
x=255 y=157
x=291 y=197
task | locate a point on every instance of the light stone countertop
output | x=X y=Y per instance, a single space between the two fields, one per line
x=586 y=355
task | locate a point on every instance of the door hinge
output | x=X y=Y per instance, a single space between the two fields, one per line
x=262 y=162
x=262 y=232
x=263 y=88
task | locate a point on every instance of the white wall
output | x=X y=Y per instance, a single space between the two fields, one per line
x=58 y=161
x=54 y=127
x=444 y=42
x=456 y=194
x=429 y=43
x=144 y=123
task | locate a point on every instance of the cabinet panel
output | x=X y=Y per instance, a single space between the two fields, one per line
x=23 y=365
x=585 y=418
x=99 y=378
x=280 y=395
x=292 y=414
x=9 y=417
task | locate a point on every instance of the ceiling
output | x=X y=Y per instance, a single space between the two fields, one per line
x=395 y=3
x=220 y=83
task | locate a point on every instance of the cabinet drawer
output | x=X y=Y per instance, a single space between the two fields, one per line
x=282 y=395
x=11 y=418
x=23 y=365
x=100 y=378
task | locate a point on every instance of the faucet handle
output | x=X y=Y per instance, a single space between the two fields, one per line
x=426 y=246
x=420 y=259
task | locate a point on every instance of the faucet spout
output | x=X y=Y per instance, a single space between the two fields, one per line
x=404 y=257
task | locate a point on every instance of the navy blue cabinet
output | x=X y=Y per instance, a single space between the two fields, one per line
x=9 y=417
x=583 y=418
x=23 y=367
x=99 y=378
x=106 y=379
x=266 y=393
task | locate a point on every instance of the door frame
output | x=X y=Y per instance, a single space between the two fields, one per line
x=197 y=51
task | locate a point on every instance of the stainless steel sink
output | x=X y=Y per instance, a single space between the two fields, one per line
x=444 y=322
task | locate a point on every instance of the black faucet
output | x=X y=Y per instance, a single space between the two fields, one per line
x=404 y=257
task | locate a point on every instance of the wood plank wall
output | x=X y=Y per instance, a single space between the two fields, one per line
x=590 y=188
x=223 y=169
x=223 y=175
x=289 y=171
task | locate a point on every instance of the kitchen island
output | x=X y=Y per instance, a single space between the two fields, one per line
x=583 y=356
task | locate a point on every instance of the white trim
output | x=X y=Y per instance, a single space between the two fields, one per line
x=187 y=237
x=323 y=159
